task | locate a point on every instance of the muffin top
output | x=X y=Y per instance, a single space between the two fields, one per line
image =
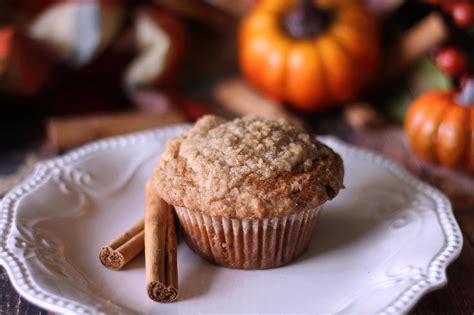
x=247 y=168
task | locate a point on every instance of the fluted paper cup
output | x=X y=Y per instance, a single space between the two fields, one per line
x=248 y=243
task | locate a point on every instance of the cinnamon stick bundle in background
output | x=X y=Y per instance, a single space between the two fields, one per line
x=66 y=133
x=160 y=249
x=414 y=44
x=124 y=248
x=240 y=98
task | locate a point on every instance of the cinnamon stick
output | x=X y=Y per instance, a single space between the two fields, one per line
x=415 y=43
x=239 y=98
x=124 y=248
x=160 y=249
x=66 y=133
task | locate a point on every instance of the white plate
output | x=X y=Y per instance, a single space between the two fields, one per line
x=380 y=245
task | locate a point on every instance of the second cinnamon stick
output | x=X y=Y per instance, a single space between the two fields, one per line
x=124 y=248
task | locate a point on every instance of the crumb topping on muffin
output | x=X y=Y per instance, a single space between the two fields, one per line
x=247 y=168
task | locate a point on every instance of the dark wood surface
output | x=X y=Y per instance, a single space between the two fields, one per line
x=11 y=302
x=457 y=297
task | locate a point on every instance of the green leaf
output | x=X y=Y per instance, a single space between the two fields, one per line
x=426 y=76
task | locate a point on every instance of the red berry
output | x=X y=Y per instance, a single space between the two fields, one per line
x=463 y=14
x=451 y=61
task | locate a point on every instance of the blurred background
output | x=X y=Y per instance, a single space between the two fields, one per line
x=390 y=75
x=75 y=71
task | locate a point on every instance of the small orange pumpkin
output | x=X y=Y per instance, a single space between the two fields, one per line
x=311 y=53
x=440 y=127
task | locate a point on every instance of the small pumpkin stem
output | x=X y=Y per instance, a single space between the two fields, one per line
x=306 y=20
x=466 y=96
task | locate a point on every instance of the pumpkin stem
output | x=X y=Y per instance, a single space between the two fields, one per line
x=466 y=95
x=306 y=20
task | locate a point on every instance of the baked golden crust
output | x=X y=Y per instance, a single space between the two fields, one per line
x=247 y=168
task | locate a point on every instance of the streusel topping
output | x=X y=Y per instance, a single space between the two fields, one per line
x=247 y=168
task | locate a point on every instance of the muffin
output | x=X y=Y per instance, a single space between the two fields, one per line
x=247 y=192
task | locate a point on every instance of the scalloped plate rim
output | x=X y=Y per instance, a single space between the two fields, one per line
x=16 y=269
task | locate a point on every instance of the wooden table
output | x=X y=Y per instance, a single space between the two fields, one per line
x=455 y=298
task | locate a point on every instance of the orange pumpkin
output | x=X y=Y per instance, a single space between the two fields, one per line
x=440 y=128
x=309 y=53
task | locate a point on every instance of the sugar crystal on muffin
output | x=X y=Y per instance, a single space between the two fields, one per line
x=249 y=167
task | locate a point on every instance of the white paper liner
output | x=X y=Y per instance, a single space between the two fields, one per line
x=248 y=243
